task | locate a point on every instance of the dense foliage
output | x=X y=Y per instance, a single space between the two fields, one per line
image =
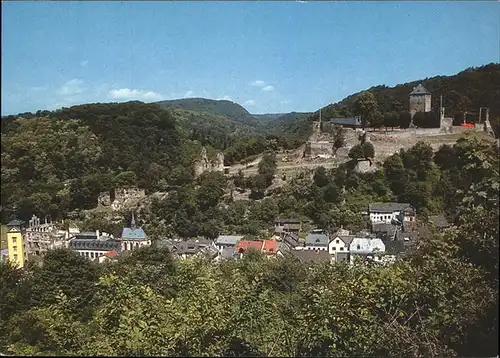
x=440 y=301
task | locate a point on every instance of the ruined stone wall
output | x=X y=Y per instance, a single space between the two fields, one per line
x=318 y=149
x=121 y=197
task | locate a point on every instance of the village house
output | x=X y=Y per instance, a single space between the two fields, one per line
x=227 y=241
x=189 y=248
x=340 y=243
x=287 y=225
x=366 y=247
x=391 y=212
x=439 y=222
x=315 y=241
x=133 y=237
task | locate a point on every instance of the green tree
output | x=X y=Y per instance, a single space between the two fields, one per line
x=404 y=119
x=368 y=150
x=365 y=106
x=356 y=152
x=321 y=178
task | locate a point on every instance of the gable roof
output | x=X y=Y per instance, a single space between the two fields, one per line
x=420 y=89
x=389 y=207
x=247 y=244
x=270 y=246
x=228 y=239
x=291 y=239
x=111 y=254
x=311 y=255
x=317 y=240
x=346 y=239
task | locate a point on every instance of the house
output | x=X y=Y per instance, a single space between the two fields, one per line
x=352 y=122
x=307 y=256
x=340 y=244
x=291 y=239
x=366 y=247
x=110 y=255
x=284 y=249
x=16 y=243
x=287 y=225
x=439 y=222
x=133 y=237
x=391 y=212
x=270 y=247
x=227 y=241
x=92 y=245
x=384 y=230
x=185 y=249
x=316 y=241
x=245 y=245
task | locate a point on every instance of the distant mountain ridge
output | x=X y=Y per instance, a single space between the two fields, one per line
x=226 y=108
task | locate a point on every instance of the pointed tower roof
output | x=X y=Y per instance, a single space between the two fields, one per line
x=132 y=222
x=419 y=90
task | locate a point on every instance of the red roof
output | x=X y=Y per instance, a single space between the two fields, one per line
x=270 y=246
x=111 y=254
x=468 y=125
x=247 y=244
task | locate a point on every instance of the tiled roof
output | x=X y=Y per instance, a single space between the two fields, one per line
x=133 y=234
x=95 y=245
x=191 y=246
x=347 y=239
x=228 y=239
x=270 y=246
x=312 y=255
x=317 y=240
x=419 y=90
x=247 y=244
x=291 y=239
x=111 y=253
x=389 y=207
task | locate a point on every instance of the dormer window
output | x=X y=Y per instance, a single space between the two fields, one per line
x=359 y=247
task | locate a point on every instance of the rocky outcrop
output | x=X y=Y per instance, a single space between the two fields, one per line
x=205 y=163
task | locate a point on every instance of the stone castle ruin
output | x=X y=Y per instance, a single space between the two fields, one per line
x=119 y=198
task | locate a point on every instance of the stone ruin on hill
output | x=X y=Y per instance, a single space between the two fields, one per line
x=119 y=198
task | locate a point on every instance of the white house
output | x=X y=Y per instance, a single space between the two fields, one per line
x=92 y=245
x=387 y=212
x=315 y=241
x=366 y=247
x=340 y=243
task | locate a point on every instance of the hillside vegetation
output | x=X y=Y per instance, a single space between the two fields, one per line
x=466 y=91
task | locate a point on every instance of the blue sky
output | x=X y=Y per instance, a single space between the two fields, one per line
x=267 y=56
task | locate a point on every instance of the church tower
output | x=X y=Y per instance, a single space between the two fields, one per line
x=420 y=100
x=18 y=253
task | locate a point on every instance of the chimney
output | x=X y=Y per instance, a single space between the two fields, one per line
x=97 y=233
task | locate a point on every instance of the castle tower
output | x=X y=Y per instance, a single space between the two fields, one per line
x=420 y=100
x=18 y=252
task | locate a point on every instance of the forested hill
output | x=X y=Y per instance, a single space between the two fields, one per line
x=466 y=91
x=53 y=162
x=226 y=108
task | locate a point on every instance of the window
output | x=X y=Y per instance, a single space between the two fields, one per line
x=341 y=249
x=338 y=241
x=15 y=257
x=14 y=248
x=14 y=240
x=359 y=247
x=334 y=248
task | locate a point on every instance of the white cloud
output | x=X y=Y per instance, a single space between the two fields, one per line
x=268 y=89
x=126 y=93
x=84 y=63
x=189 y=94
x=257 y=83
x=250 y=102
x=71 y=88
